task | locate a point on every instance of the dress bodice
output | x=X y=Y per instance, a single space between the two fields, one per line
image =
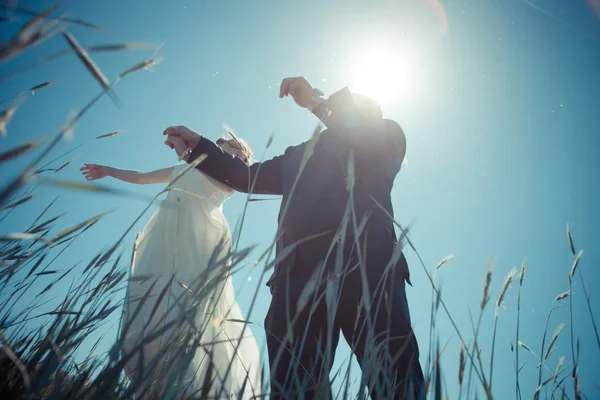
x=196 y=187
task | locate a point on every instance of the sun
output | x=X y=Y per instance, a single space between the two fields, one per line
x=384 y=73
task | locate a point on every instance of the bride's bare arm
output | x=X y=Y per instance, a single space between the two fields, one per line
x=94 y=172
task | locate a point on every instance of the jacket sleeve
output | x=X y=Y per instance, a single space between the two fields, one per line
x=258 y=178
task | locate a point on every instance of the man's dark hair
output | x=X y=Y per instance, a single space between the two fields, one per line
x=368 y=106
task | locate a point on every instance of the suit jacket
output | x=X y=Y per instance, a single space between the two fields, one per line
x=317 y=203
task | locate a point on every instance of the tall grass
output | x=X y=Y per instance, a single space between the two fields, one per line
x=38 y=361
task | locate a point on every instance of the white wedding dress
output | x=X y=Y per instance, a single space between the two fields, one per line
x=181 y=265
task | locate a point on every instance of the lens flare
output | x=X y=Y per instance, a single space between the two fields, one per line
x=384 y=73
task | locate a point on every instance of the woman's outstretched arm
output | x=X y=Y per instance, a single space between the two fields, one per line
x=93 y=172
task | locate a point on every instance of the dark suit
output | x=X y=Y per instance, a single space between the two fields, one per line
x=319 y=235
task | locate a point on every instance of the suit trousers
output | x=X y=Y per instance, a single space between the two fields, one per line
x=303 y=328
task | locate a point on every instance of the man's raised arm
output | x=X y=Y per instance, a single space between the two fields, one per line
x=359 y=117
x=258 y=178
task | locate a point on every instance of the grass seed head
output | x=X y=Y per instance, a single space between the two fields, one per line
x=563 y=295
x=504 y=288
x=575 y=264
x=444 y=260
x=559 y=328
x=486 y=288
x=522 y=273
x=570 y=238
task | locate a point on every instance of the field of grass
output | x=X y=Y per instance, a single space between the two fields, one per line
x=39 y=363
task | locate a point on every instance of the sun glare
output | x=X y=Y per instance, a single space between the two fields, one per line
x=384 y=74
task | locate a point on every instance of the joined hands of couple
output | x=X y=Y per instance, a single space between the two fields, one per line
x=183 y=139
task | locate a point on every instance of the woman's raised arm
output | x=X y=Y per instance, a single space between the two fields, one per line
x=94 y=172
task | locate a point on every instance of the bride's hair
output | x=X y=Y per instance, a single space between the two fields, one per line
x=245 y=153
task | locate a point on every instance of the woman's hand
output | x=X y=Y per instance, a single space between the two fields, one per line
x=176 y=143
x=94 y=171
x=190 y=137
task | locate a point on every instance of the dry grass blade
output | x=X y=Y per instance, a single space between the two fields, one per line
x=563 y=295
x=65 y=165
x=521 y=368
x=38 y=18
x=461 y=366
x=575 y=264
x=43 y=226
x=44 y=212
x=21 y=10
x=17 y=203
x=28 y=36
x=79 y=186
x=184 y=171
x=136 y=242
x=79 y=226
x=146 y=64
x=439 y=354
x=256 y=200
x=40 y=86
x=243 y=388
x=13 y=186
x=523 y=345
x=570 y=238
x=307 y=292
x=521 y=277
x=56 y=170
x=438 y=298
x=285 y=252
x=108 y=135
x=89 y=64
x=438 y=378
x=56 y=55
x=19 y=151
x=309 y=147
x=5 y=117
x=559 y=328
x=121 y=46
x=499 y=301
x=229 y=130
x=208 y=379
x=18 y=236
x=444 y=260
x=481 y=378
x=351 y=175
x=60 y=156
x=86 y=187
x=552 y=350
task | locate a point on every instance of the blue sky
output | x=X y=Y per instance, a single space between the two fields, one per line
x=498 y=102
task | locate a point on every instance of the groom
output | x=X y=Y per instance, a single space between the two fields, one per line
x=339 y=265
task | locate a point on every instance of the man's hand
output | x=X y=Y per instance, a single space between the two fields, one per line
x=300 y=90
x=189 y=137
x=176 y=143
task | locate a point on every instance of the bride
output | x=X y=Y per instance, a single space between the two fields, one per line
x=183 y=333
